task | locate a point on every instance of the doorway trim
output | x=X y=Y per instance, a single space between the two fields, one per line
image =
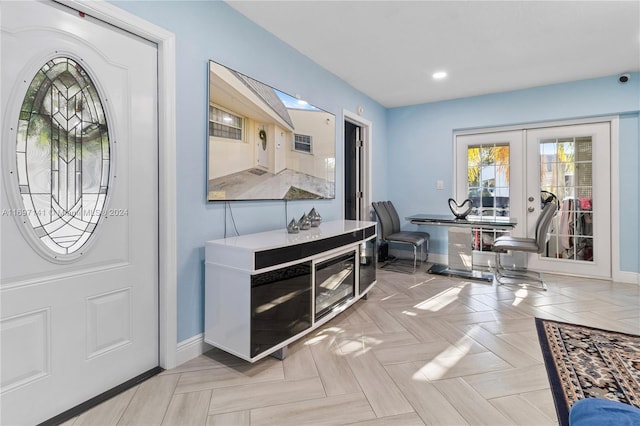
x=616 y=274
x=367 y=153
x=167 y=217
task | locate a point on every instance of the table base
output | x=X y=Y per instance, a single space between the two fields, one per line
x=470 y=274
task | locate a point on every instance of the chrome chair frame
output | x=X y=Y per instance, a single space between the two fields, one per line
x=524 y=276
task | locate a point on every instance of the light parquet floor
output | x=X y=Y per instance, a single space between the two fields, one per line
x=422 y=349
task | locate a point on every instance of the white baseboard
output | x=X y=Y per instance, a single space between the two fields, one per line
x=626 y=277
x=440 y=259
x=191 y=348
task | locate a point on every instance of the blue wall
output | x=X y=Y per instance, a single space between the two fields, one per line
x=420 y=144
x=412 y=146
x=212 y=30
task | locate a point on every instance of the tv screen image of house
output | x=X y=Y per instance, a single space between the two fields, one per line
x=264 y=144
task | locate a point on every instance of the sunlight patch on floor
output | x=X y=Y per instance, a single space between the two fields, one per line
x=325 y=333
x=421 y=283
x=358 y=346
x=440 y=300
x=520 y=296
x=445 y=360
x=316 y=339
x=388 y=297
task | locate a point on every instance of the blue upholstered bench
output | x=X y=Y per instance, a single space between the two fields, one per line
x=603 y=412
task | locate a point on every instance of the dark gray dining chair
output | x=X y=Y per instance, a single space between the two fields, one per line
x=390 y=231
x=520 y=276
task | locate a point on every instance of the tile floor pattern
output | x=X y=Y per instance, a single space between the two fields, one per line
x=421 y=350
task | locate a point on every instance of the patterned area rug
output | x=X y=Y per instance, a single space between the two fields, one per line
x=584 y=362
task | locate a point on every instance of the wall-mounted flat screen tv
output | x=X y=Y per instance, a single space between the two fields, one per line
x=264 y=144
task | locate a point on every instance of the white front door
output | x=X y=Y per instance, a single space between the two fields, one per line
x=572 y=162
x=79 y=222
x=262 y=147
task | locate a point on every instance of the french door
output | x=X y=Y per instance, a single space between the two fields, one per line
x=79 y=247
x=488 y=172
x=573 y=162
x=509 y=173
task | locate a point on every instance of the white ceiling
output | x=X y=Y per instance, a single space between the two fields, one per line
x=389 y=49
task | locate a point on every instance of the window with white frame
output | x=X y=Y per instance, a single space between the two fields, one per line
x=224 y=124
x=303 y=143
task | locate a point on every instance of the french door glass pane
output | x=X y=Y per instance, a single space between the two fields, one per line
x=566 y=166
x=488 y=172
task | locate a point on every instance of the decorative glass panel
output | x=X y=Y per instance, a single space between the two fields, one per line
x=566 y=170
x=63 y=156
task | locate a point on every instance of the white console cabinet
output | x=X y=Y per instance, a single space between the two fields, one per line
x=265 y=290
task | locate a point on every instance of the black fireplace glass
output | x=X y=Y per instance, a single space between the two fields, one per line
x=335 y=282
x=280 y=305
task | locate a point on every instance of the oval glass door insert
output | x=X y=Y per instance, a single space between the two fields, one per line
x=63 y=157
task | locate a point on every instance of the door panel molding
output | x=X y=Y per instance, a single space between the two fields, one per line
x=108 y=319
x=29 y=280
x=32 y=365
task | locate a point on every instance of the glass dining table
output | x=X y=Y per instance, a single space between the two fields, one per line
x=460 y=249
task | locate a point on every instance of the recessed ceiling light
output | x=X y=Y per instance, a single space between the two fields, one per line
x=439 y=75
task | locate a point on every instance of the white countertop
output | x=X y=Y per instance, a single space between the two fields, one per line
x=280 y=237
